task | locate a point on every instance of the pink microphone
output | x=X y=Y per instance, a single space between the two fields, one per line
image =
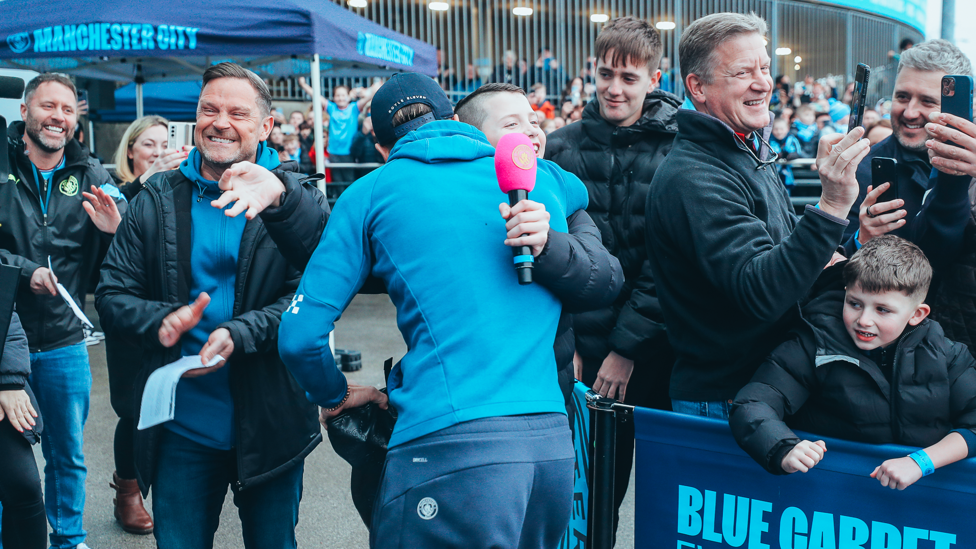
x=515 y=167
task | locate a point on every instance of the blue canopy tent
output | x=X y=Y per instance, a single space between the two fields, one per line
x=175 y=101
x=151 y=42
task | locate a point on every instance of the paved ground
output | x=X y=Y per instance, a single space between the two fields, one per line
x=328 y=518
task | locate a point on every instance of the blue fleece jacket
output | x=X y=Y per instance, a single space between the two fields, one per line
x=204 y=407
x=427 y=223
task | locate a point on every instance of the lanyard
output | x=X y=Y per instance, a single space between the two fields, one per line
x=40 y=198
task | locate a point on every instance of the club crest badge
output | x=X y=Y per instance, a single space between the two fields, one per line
x=69 y=187
x=522 y=156
x=19 y=42
x=427 y=508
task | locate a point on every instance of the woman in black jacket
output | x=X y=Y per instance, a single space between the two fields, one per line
x=142 y=153
x=24 y=522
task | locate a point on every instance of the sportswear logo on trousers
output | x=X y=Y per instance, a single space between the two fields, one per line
x=427 y=508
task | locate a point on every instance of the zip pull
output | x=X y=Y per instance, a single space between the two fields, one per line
x=45 y=219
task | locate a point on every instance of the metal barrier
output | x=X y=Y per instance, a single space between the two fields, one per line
x=604 y=415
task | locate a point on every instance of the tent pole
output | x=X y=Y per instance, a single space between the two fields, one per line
x=319 y=144
x=139 y=111
x=317 y=120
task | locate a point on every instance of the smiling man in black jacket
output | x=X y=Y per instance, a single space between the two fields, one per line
x=243 y=422
x=729 y=256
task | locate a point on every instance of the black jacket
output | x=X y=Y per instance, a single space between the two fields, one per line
x=69 y=237
x=617 y=164
x=729 y=256
x=15 y=369
x=945 y=229
x=363 y=151
x=146 y=275
x=913 y=169
x=574 y=265
x=820 y=382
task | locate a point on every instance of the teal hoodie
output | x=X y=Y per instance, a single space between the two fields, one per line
x=427 y=223
x=204 y=407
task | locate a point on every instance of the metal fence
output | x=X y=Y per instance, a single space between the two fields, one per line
x=473 y=37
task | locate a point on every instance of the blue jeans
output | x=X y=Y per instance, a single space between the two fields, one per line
x=62 y=382
x=717 y=409
x=188 y=492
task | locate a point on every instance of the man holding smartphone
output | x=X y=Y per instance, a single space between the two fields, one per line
x=917 y=94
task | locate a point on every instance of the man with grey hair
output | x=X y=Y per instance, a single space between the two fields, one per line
x=729 y=256
x=186 y=280
x=52 y=229
x=917 y=94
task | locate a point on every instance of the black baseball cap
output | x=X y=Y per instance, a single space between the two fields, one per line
x=399 y=91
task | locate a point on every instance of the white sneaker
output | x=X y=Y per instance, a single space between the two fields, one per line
x=98 y=335
x=82 y=545
x=89 y=341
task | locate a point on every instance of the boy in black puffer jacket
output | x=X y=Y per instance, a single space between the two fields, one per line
x=866 y=366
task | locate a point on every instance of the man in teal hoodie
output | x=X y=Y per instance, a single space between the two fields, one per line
x=481 y=455
x=184 y=279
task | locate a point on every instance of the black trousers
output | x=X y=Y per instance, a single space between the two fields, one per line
x=648 y=388
x=24 y=521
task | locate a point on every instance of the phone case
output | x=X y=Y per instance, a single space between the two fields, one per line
x=883 y=170
x=957 y=95
x=861 y=80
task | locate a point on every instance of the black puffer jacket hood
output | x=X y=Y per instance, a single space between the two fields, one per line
x=617 y=164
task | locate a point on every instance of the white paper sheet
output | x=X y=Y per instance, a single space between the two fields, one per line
x=159 y=396
x=69 y=300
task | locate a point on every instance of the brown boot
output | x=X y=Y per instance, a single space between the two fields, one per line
x=129 y=511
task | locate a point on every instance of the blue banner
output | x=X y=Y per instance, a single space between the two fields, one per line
x=697 y=489
x=575 y=537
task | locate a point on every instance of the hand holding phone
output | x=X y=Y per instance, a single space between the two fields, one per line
x=880 y=213
x=884 y=170
x=180 y=134
x=957 y=100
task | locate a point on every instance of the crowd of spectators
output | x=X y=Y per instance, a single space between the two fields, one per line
x=712 y=268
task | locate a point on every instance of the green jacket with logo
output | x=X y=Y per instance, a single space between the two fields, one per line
x=76 y=247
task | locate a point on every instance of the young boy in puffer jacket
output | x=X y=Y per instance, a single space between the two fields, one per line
x=866 y=366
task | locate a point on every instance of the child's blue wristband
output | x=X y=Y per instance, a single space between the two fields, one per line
x=924 y=462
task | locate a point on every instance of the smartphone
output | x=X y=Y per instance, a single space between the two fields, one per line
x=180 y=134
x=83 y=96
x=860 y=93
x=884 y=170
x=957 y=96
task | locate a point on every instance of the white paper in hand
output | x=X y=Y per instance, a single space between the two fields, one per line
x=159 y=396
x=69 y=300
